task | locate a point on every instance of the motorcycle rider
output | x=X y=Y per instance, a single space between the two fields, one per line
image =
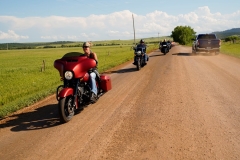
x=144 y=48
x=164 y=41
x=94 y=73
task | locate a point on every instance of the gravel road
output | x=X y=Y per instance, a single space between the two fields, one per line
x=179 y=106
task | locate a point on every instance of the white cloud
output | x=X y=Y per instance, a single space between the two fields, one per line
x=11 y=35
x=51 y=37
x=72 y=37
x=117 y=25
x=203 y=11
x=190 y=18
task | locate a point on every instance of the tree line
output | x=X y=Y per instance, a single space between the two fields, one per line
x=12 y=46
x=232 y=39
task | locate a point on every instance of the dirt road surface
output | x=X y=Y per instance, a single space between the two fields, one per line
x=178 y=107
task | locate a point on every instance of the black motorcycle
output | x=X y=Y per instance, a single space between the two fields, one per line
x=164 y=48
x=139 y=58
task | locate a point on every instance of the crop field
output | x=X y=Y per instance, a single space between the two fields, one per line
x=27 y=76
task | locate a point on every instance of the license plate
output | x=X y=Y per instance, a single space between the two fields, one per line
x=208 y=47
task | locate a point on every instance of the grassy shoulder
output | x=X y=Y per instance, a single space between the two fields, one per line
x=27 y=76
x=231 y=49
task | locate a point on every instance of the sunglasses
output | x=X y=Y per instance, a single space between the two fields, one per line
x=85 y=46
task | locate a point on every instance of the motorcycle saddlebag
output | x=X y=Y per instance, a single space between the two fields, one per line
x=106 y=84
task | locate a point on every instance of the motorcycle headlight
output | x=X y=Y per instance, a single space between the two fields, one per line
x=138 y=53
x=68 y=75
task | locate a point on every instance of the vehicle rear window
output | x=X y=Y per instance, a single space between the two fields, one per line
x=206 y=36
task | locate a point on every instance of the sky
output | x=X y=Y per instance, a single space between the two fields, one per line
x=23 y=21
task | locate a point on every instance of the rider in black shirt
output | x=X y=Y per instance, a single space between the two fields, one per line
x=143 y=46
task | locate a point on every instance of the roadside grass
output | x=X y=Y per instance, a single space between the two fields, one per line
x=24 y=79
x=232 y=49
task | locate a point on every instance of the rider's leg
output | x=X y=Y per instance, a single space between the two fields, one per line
x=93 y=82
x=145 y=57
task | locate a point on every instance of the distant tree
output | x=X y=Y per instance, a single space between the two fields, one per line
x=49 y=46
x=183 y=34
x=232 y=38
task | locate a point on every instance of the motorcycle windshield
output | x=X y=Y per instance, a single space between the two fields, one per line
x=73 y=54
x=141 y=49
x=76 y=62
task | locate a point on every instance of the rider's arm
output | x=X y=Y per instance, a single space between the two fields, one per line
x=95 y=57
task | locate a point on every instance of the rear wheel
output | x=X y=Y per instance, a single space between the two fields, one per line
x=66 y=109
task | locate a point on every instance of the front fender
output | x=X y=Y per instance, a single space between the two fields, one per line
x=65 y=92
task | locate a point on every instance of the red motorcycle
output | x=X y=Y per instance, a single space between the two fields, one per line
x=75 y=93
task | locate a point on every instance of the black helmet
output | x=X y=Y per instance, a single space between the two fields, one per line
x=142 y=41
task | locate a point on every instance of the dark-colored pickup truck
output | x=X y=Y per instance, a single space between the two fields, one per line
x=206 y=43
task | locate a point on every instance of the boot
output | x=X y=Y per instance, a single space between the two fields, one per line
x=93 y=98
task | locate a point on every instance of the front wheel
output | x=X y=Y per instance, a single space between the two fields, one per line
x=165 y=51
x=138 y=64
x=66 y=109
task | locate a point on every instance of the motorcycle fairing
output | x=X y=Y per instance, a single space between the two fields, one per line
x=79 y=65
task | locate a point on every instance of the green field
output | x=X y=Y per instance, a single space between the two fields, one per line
x=25 y=80
x=231 y=49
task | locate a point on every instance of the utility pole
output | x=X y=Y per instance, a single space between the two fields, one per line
x=158 y=36
x=134 y=30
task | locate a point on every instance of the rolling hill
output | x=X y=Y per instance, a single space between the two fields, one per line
x=227 y=33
